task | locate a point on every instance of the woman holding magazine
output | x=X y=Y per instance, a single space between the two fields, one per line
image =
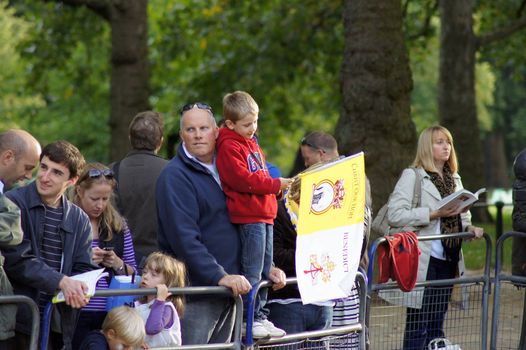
x=436 y=165
x=112 y=246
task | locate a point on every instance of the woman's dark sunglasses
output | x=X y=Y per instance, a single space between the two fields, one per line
x=304 y=142
x=199 y=105
x=95 y=173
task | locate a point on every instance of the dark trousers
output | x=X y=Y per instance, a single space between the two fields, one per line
x=425 y=324
x=8 y=344
x=22 y=341
x=88 y=321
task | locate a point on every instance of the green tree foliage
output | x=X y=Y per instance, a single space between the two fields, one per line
x=422 y=27
x=15 y=100
x=65 y=55
x=509 y=109
x=286 y=54
x=424 y=66
x=509 y=64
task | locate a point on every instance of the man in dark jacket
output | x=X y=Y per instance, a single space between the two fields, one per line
x=318 y=147
x=136 y=175
x=286 y=309
x=19 y=153
x=195 y=228
x=56 y=243
x=518 y=256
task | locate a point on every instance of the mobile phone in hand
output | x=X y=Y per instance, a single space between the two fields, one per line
x=108 y=249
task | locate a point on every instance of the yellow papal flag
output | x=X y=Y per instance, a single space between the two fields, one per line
x=330 y=229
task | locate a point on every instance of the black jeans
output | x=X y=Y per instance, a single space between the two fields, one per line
x=425 y=324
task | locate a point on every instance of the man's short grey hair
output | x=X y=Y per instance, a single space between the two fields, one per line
x=214 y=123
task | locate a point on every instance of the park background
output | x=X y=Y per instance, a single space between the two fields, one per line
x=372 y=72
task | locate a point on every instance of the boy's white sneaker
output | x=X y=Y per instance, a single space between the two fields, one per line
x=259 y=330
x=273 y=331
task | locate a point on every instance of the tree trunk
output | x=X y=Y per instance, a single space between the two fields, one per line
x=456 y=88
x=456 y=92
x=495 y=161
x=376 y=85
x=129 y=70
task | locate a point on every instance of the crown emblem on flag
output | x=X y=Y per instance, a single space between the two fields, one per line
x=326 y=195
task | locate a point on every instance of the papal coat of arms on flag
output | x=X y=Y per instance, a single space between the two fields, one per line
x=329 y=224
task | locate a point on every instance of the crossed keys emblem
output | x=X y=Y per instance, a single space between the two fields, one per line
x=322 y=269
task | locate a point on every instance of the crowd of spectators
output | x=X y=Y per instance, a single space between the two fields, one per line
x=176 y=223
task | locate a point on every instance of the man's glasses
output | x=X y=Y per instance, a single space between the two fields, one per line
x=199 y=105
x=95 y=173
x=304 y=142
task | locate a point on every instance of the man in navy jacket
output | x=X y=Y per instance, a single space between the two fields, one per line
x=194 y=227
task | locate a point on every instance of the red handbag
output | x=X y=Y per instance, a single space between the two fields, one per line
x=398 y=260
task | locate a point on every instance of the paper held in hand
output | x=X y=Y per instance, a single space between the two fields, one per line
x=461 y=198
x=90 y=278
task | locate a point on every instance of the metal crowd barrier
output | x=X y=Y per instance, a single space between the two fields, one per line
x=234 y=344
x=508 y=329
x=331 y=338
x=467 y=313
x=35 y=315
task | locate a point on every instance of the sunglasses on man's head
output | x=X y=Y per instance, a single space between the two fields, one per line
x=304 y=142
x=95 y=173
x=199 y=105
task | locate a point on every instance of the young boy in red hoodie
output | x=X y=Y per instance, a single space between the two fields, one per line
x=250 y=196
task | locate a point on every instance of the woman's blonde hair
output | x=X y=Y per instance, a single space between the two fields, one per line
x=174 y=273
x=424 y=152
x=96 y=173
x=127 y=325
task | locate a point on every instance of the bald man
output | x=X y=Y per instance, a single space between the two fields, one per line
x=19 y=154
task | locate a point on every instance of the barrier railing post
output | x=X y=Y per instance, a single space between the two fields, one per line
x=485 y=280
x=233 y=344
x=499 y=224
x=319 y=335
x=518 y=332
x=35 y=316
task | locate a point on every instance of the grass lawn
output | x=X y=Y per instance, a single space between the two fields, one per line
x=474 y=252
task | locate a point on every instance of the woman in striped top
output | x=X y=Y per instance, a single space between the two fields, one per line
x=112 y=242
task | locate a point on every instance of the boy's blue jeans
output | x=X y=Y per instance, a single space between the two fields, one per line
x=256 y=261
